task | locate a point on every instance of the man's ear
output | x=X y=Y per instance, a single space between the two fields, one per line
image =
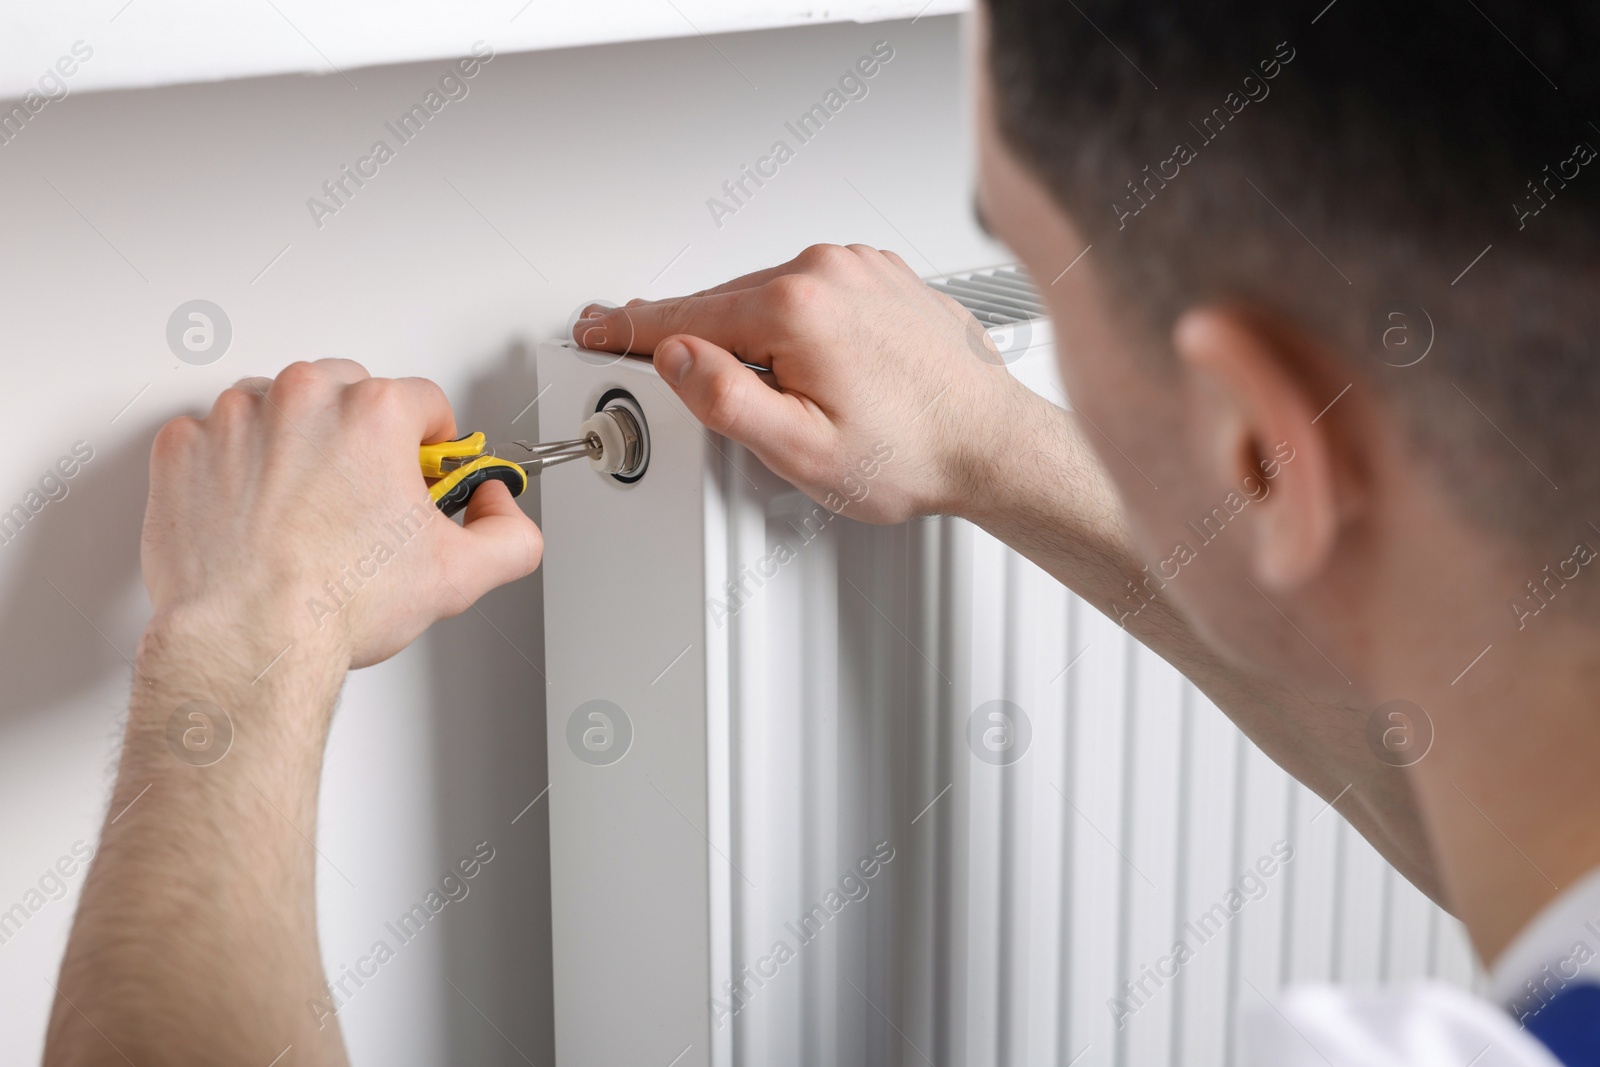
x=1258 y=413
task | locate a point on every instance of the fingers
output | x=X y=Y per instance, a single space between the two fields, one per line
x=303 y=388
x=435 y=418
x=730 y=399
x=341 y=371
x=503 y=543
x=735 y=313
x=602 y=329
x=254 y=384
x=752 y=280
x=414 y=409
x=730 y=320
x=345 y=371
x=901 y=265
x=816 y=259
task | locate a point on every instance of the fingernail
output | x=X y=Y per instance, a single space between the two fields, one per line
x=672 y=362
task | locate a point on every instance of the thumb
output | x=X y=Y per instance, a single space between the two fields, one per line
x=729 y=397
x=503 y=543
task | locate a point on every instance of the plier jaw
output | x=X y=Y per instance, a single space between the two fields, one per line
x=548 y=455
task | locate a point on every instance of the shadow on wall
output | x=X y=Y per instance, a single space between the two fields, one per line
x=73 y=614
x=487 y=666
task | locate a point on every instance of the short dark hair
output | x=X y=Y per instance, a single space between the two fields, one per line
x=1400 y=140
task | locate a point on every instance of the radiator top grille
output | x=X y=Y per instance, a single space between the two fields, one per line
x=1002 y=296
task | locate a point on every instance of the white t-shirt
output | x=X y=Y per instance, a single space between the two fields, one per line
x=1431 y=1024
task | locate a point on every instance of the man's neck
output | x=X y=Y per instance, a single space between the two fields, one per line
x=1509 y=788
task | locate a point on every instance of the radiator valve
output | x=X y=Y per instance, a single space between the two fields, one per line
x=618 y=439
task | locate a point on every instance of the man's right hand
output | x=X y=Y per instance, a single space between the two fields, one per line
x=867 y=359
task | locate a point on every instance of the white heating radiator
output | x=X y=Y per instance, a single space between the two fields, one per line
x=754 y=705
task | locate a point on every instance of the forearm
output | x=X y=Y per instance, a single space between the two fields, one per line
x=195 y=940
x=1038 y=487
x=1042 y=491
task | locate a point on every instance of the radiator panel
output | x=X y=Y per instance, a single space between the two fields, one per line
x=633 y=843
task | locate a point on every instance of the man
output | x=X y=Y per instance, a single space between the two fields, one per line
x=1346 y=252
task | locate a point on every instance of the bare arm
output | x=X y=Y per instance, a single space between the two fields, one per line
x=1055 y=506
x=196 y=937
x=864 y=353
x=196 y=940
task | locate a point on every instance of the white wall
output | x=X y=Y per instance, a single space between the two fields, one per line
x=168 y=42
x=592 y=168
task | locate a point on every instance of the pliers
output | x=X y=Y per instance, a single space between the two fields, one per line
x=460 y=466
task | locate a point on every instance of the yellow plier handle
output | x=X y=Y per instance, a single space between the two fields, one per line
x=461 y=466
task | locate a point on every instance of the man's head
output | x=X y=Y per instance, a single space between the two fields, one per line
x=1359 y=235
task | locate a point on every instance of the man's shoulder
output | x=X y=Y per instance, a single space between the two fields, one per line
x=1419 y=1025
